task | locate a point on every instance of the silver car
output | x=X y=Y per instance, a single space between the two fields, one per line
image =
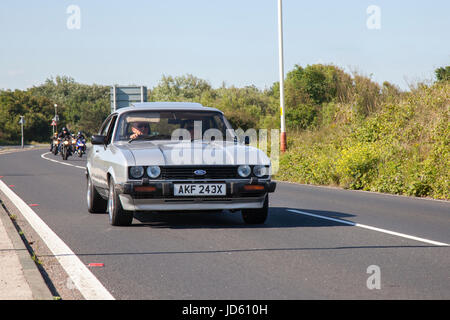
x=168 y=156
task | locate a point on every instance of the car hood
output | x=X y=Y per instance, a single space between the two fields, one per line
x=193 y=153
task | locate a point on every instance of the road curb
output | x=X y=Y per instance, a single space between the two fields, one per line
x=39 y=289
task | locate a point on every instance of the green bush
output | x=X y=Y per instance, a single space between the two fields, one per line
x=301 y=117
x=357 y=166
x=328 y=113
x=390 y=178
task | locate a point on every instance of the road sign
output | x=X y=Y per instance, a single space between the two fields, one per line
x=124 y=96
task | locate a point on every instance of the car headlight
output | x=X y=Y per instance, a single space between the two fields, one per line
x=153 y=171
x=244 y=171
x=260 y=171
x=137 y=172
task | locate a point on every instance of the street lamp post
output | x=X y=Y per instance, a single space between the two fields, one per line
x=22 y=121
x=281 y=67
x=56 y=118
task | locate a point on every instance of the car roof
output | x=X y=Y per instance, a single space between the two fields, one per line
x=185 y=106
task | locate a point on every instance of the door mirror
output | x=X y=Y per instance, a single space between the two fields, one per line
x=97 y=140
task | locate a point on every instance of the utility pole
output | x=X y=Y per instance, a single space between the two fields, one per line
x=22 y=121
x=283 y=143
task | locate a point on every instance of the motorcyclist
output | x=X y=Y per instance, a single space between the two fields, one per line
x=62 y=135
x=52 y=138
x=82 y=147
x=80 y=136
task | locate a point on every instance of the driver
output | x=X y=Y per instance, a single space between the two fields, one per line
x=139 y=129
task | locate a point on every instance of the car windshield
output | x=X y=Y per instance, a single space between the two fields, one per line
x=169 y=125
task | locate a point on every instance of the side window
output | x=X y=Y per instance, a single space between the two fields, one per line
x=105 y=127
x=110 y=129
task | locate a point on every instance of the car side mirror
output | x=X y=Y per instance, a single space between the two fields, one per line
x=98 y=140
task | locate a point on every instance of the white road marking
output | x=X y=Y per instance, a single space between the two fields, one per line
x=354 y=224
x=89 y=286
x=43 y=156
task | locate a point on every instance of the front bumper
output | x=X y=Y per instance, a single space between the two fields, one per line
x=162 y=198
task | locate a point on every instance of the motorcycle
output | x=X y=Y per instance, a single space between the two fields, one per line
x=80 y=147
x=55 y=146
x=66 y=147
x=52 y=141
x=73 y=142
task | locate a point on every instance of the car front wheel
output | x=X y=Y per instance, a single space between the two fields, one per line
x=256 y=216
x=95 y=203
x=117 y=216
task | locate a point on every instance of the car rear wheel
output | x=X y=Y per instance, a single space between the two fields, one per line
x=117 y=216
x=95 y=203
x=256 y=216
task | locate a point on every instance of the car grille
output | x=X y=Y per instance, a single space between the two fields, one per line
x=187 y=172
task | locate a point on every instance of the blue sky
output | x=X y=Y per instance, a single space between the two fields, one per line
x=136 y=42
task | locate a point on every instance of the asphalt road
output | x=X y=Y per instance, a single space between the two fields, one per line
x=217 y=256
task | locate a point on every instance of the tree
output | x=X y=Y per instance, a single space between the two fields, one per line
x=80 y=106
x=181 y=88
x=37 y=111
x=443 y=74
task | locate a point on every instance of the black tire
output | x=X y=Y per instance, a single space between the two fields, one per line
x=256 y=216
x=55 y=150
x=95 y=202
x=117 y=216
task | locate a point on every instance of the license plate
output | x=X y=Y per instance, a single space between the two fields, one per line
x=199 y=189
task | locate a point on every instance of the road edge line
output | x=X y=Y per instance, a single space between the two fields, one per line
x=85 y=281
x=64 y=163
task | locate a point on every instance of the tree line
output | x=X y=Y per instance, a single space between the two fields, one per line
x=311 y=92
